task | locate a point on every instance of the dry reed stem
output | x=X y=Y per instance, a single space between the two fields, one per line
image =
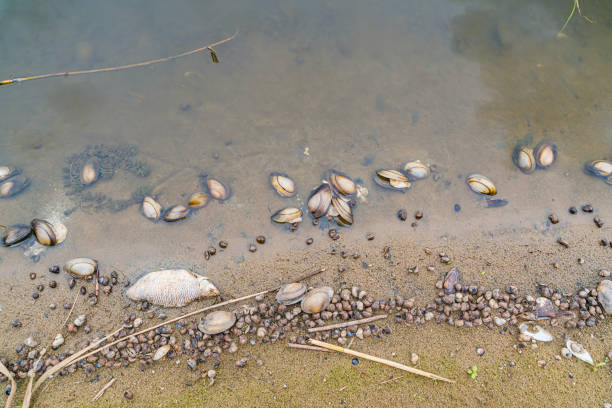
x=307 y=347
x=69 y=313
x=347 y=324
x=106 y=387
x=5 y=372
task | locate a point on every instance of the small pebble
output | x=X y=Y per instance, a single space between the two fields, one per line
x=418 y=215
x=54 y=269
x=457 y=208
x=480 y=351
x=83 y=290
x=414 y=358
x=598 y=222
x=604 y=273
x=128 y=395
x=32 y=276
x=252 y=248
x=212 y=251
x=402 y=214
x=588 y=208
x=370 y=236
x=261 y=239
x=16 y=323
x=53 y=284
x=35 y=295
x=72 y=283
x=309 y=241
x=553 y=219
x=355 y=361
x=222 y=245
x=573 y=210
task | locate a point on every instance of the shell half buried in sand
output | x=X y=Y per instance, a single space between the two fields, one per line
x=171 y=288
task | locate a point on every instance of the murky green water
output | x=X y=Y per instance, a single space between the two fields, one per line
x=305 y=87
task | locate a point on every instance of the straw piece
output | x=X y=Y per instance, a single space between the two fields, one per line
x=28 y=394
x=307 y=347
x=106 y=387
x=5 y=372
x=379 y=360
x=70 y=312
x=347 y=324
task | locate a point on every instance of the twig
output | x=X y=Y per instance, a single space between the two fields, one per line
x=307 y=347
x=5 y=372
x=97 y=282
x=347 y=324
x=361 y=371
x=379 y=360
x=391 y=379
x=106 y=387
x=71 y=309
x=121 y=67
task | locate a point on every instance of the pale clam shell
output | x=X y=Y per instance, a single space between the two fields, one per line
x=171 y=288
x=599 y=168
x=341 y=183
x=176 y=213
x=392 y=179
x=524 y=159
x=151 y=209
x=81 y=267
x=60 y=233
x=217 y=189
x=481 y=184
x=579 y=351
x=316 y=300
x=291 y=293
x=417 y=170
x=90 y=172
x=44 y=231
x=161 y=352
x=342 y=207
x=283 y=184
x=289 y=215
x=7 y=172
x=320 y=200
x=545 y=154
x=217 y=322
x=13 y=186
x=198 y=200
x=537 y=333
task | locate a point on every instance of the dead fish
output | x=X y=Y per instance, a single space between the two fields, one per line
x=171 y=288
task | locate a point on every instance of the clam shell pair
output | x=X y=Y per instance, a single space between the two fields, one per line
x=392 y=179
x=171 y=288
x=317 y=299
x=283 y=184
x=217 y=189
x=334 y=198
x=288 y=215
x=48 y=234
x=81 y=267
x=217 y=322
x=481 y=184
x=527 y=160
x=153 y=210
x=15 y=234
x=291 y=293
x=6 y=172
x=13 y=184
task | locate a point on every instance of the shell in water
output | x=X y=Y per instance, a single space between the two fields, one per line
x=81 y=267
x=151 y=208
x=176 y=213
x=289 y=214
x=15 y=234
x=416 y=170
x=283 y=184
x=545 y=154
x=320 y=200
x=7 y=172
x=217 y=189
x=217 y=322
x=171 y=288
x=599 y=168
x=481 y=184
x=13 y=186
x=537 y=333
x=341 y=183
x=198 y=200
x=291 y=293
x=90 y=172
x=523 y=159
x=579 y=351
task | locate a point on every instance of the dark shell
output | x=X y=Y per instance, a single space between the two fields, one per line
x=450 y=279
x=14 y=186
x=15 y=234
x=217 y=189
x=44 y=231
x=320 y=200
x=545 y=154
x=176 y=213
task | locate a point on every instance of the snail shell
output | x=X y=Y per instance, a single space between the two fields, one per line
x=171 y=288
x=289 y=215
x=545 y=154
x=151 y=208
x=15 y=234
x=481 y=184
x=283 y=184
x=14 y=186
x=320 y=200
x=81 y=267
x=524 y=159
x=217 y=322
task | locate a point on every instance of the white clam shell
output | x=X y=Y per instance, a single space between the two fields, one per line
x=151 y=208
x=171 y=288
x=341 y=183
x=291 y=293
x=81 y=267
x=161 y=352
x=417 y=170
x=283 y=184
x=217 y=322
x=289 y=214
x=316 y=299
x=537 y=333
x=481 y=184
x=579 y=351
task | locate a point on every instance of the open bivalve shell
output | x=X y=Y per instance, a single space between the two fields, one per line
x=579 y=351
x=481 y=185
x=282 y=184
x=320 y=200
x=6 y=172
x=291 y=293
x=599 y=168
x=392 y=179
x=287 y=215
x=217 y=322
x=536 y=332
x=13 y=186
x=48 y=234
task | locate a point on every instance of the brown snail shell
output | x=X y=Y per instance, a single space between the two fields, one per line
x=316 y=300
x=291 y=293
x=341 y=183
x=416 y=170
x=13 y=186
x=217 y=189
x=16 y=234
x=217 y=322
x=151 y=208
x=198 y=200
x=545 y=154
x=176 y=213
x=81 y=267
x=90 y=172
x=287 y=215
x=283 y=184
x=481 y=184
x=320 y=200
x=524 y=159
x=6 y=172
x=599 y=168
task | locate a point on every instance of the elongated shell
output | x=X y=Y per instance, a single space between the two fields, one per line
x=217 y=189
x=481 y=184
x=524 y=159
x=151 y=208
x=599 y=168
x=283 y=184
x=545 y=154
x=7 y=172
x=81 y=267
x=392 y=179
x=291 y=293
x=342 y=207
x=161 y=352
x=316 y=300
x=341 y=183
x=45 y=234
x=536 y=332
x=90 y=172
x=579 y=351
x=198 y=200
x=16 y=234
x=217 y=322
x=14 y=186
x=416 y=170
x=171 y=288
x=320 y=200
x=176 y=213
x=289 y=215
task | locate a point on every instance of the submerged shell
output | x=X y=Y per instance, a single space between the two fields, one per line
x=81 y=267
x=14 y=186
x=176 y=213
x=416 y=170
x=537 y=333
x=320 y=200
x=198 y=200
x=524 y=159
x=392 y=179
x=171 y=288
x=44 y=231
x=151 y=208
x=217 y=322
x=289 y=215
x=545 y=154
x=481 y=184
x=15 y=234
x=579 y=351
x=316 y=300
x=599 y=168
x=343 y=209
x=217 y=189
x=283 y=184
x=7 y=172
x=90 y=172
x=161 y=352
x=291 y=293
x=341 y=183
x=450 y=280
x=60 y=232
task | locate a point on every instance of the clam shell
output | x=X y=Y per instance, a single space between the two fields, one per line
x=283 y=184
x=291 y=293
x=217 y=322
x=599 y=168
x=217 y=189
x=392 y=179
x=537 y=333
x=341 y=183
x=320 y=200
x=604 y=295
x=316 y=300
x=171 y=288
x=44 y=231
x=579 y=351
x=176 y=213
x=61 y=232
x=481 y=184
x=545 y=154
x=524 y=159
x=198 y=200
x=90 y=172
x=151 y=208
x=14 y=186
x=81 y=267
x=342 y=207
x=7 y=172
x=16 y=234
x=416 y=170
x=289 y=214
x=450 y=279
x=161 y=352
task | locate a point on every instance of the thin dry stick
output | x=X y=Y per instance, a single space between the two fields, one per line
x=118 y=68
x=71 y=309
x=106 y=387
x=28 y=394
x=379 y=360
x=391 y=379
x=307 y=347
x=347 y=324
x=5 y=372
